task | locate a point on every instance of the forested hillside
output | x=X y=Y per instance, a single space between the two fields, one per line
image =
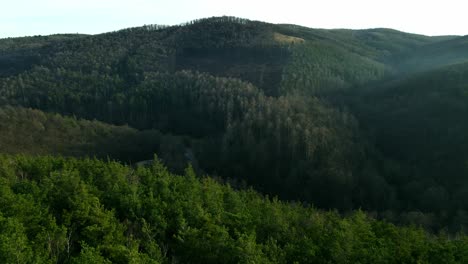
x=339 y=119
x=420 y=125
x=27 y=131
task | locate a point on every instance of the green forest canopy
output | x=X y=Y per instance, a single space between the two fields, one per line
x=341 y=119
x=88 y=211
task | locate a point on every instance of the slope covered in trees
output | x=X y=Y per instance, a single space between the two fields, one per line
x=27 y=131
x=335 y=118
x=433 y=56
x=421 y=123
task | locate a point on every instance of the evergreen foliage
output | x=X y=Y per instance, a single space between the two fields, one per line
x=342 y=119
x=57 y=210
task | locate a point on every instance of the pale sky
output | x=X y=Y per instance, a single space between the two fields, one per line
x=43 y=17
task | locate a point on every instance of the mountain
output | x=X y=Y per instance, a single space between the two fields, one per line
x=341 y=119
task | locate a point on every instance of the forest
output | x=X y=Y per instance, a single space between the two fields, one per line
x=263 y=143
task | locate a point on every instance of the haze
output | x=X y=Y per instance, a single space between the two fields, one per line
x=28 y=17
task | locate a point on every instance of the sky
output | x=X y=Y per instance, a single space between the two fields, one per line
x=44 y=17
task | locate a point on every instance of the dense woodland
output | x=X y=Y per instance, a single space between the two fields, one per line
x=346 y=120
x=57 y=210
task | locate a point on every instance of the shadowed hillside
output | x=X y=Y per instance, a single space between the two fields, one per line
x=343 y=119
